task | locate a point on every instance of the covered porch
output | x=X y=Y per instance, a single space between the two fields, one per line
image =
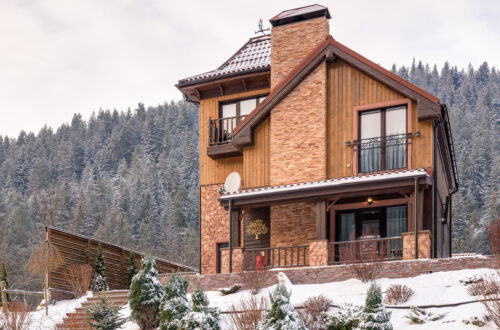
x=374 y=216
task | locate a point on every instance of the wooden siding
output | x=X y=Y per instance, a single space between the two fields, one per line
x=347 y=88
x=77 y=250
x=253 y=165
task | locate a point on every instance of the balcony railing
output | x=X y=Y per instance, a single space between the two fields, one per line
x=367 y=250
x=220 y=129
x=383 y=152
x=277 y=257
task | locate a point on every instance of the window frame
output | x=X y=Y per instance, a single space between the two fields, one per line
x=238 y=102
x=357 y=110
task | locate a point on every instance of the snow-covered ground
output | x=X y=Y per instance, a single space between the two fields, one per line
x=430 y=289
x=56 y=313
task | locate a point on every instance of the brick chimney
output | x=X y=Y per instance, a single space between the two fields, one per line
x=294 y=35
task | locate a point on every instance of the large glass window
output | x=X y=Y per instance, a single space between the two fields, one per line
x=234 y=112
x=347 y=227
x=382 y=144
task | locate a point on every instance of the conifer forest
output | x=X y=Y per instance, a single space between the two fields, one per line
x=131 y=177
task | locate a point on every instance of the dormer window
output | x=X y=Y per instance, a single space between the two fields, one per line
x=230 y=115
x=383 y=139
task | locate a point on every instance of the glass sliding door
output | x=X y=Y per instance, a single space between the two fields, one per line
x=370 y=122
x=395 y=133
x=396 y=223
x=347 y=227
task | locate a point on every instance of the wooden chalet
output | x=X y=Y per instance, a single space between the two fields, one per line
x=339 y=159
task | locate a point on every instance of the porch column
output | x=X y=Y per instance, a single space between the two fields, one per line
x=321 y=219
x=318 y=253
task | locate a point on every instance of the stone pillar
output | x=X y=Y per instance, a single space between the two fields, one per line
x=318 y=253
x=424 y=245
x=237 y=260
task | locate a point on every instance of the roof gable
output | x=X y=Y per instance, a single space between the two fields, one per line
x=331 y=49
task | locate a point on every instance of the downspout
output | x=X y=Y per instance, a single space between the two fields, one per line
x=434 y=191
x=199 y=229
x=415 y=216
x=230 y=236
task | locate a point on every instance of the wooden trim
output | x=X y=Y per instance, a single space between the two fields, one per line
x=223 y=150
x=321 y=219
x=374 y=106
x=365 y=205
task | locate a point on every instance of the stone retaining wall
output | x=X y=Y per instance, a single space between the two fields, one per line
x=312 y=275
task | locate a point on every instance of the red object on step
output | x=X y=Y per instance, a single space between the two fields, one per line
x=260 y=263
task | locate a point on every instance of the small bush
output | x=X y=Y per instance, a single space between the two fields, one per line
x=474 y=321
x=247 y=314
x=485 y=287
x=104 y=316
x=78 y=278
x=255 y=281
x=312 y=312
x=345 y=317
x=15 y=316
x=365 y=264
x=493 y=232
x=418 y=315
x=397 y=294
x=487 y=292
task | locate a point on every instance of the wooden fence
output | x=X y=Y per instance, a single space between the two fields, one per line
x=78 y=249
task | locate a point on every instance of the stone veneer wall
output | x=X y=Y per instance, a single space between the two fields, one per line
x=298 y=132
x=293 y=224
x=316 y=275
x=214 y=227
x=291 y=43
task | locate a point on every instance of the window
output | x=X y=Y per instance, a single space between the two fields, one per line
x=383 y=139
x=234 y=112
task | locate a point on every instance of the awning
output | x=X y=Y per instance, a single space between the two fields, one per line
x=371 y=183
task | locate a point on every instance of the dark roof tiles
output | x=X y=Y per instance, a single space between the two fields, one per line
x=253 y=56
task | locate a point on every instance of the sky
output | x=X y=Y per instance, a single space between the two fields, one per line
x=60 y=57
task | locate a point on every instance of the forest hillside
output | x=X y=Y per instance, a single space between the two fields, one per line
x=131 y=178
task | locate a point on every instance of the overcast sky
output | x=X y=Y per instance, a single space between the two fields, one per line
x=58 y=57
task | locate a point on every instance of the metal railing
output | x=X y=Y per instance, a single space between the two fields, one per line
x=220 y=129
x=383 y=152
x=366 y=250
x=276 y=257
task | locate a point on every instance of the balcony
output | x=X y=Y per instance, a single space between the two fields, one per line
x=366 y=250
x=276 y=257
x=220 y=137
x=383 y=153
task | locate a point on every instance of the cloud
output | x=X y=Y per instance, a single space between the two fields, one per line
x=60 y=57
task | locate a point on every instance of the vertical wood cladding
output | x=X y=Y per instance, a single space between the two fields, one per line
x=253 y=165
x=347 y=88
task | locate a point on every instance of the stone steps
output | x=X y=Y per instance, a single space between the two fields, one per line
x=78 y=319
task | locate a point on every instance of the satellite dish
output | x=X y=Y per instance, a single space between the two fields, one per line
x=233 y=182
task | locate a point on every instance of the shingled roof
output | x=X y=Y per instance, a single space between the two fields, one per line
x=254 y=56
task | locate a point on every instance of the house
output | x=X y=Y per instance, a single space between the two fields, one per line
x=338 y=157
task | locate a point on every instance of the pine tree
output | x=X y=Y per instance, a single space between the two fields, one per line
x=4 y=277
x=131 y=269
x=201 y=316
x=375 y=316
x=99 y=282
x=145 y=295
x=104 y=316
x=174 y=304
x=281 y=315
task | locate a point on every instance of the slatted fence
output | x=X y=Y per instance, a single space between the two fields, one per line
x=78 y=249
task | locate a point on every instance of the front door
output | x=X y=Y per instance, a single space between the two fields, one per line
x=220 y=248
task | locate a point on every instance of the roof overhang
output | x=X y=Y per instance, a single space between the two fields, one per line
x=330 y=50
x=399 y=181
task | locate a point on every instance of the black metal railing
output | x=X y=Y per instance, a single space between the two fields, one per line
x=367 y=250
x=277 y=257
x=383 y=152
x=220 y=129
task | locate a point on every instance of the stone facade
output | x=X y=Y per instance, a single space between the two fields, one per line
x=214 y=227
x=291 y=43
x=318 y=253
x=313 y=275
x=293 y=224
x=298 y=132
x=424 y=245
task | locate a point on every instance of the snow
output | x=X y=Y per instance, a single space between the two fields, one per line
x=56 y=313
x=430 y=289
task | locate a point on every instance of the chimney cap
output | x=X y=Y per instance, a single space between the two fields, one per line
x=300 y=14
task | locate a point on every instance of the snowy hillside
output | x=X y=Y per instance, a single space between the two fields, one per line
x=442 y=288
